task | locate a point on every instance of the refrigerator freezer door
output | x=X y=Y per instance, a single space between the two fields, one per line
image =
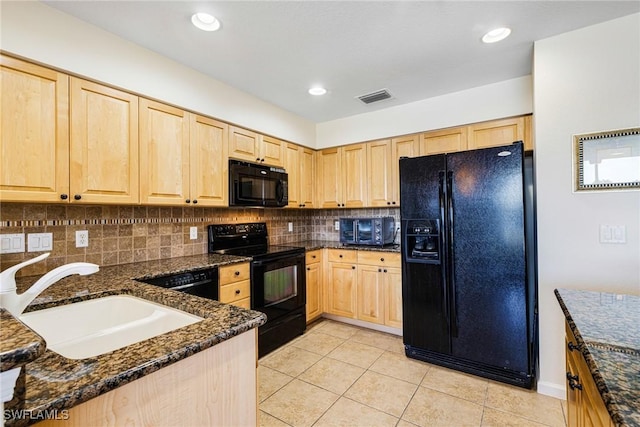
x=488 y=273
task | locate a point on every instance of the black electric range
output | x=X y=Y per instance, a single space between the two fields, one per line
x=278 y=279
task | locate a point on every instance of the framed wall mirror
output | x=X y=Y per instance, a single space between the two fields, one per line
x=607 y=160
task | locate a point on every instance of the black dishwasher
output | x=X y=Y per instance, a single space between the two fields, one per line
x=201 y=283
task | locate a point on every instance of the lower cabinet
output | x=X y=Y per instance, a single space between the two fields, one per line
x=341 y=283
x=584 y=404
x=235 y=284
x=314 y=268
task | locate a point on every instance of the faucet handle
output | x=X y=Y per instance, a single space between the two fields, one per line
x=8 y=276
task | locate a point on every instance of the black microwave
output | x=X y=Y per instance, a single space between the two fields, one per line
x=251 y=184
x=367 y=231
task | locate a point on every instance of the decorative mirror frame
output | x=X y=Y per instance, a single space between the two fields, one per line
x=626 y=145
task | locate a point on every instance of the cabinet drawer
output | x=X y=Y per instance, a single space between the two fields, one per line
x=389 y=259
x=234 y=273
x=244 y=303
x=339 y=255
x=235 y=291
x=313 y=256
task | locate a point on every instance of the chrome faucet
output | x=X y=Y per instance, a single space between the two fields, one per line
x=14 y=303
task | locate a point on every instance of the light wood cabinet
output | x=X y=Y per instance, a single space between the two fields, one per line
x=380 y=288
x=380 y=173
x=34 y=132
x=299 y=162
x=443 y=141
x=314 y=267
x=496 y=133
x=208 y=164
x=341 y=283
x=405 y=146
x=164 y=154
x=254 y=147
x=104 y=144
x=342 y=176
x=585 y=406
x=235 y=284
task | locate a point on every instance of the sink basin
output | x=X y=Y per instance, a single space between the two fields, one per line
x=94 y=327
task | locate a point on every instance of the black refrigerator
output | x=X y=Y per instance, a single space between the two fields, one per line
x=469 y=286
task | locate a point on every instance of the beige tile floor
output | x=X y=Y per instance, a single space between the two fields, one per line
x=342 y=375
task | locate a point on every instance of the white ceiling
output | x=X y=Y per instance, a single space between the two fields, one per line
x=275 y=50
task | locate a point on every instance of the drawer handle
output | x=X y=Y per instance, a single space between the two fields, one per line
x=379 y=270
x=353 y=267
x=340 y=255
x=382 y=259
x=572 y=346
x=572 y=377
x=313 y=256
x=308 y=268
x=237 y=291
x=237 y=273
x=385 y=270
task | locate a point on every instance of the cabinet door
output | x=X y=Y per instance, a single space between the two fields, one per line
x=393 y=297
x=307 y=177
x=272 y=151
x=208 y=166
x=574 y=415
x=341 y=289
x=370 y=294
x=164 y=154
x=379 y=173
x=354 y=175
x=314 y=291
x=406 y=146
x=34 y=133
x=292 y=166
x=496 y=133
x=329 y=178
x=244 y=144
x=104 y=144
x=443 y=141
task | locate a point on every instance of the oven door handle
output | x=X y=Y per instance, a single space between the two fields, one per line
x=261 y=262
x=190 y=285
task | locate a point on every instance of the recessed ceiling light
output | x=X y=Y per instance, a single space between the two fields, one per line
x=317 y=90
x=205 y=22
x=496 y=35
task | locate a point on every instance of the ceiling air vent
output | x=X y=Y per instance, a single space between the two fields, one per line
x=375 y=96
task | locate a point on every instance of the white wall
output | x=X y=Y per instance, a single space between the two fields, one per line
x=38 y=32
x=584 y=81
x=504 y=99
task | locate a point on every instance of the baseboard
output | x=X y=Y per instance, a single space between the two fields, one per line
x=363 y=324
x=551 y=389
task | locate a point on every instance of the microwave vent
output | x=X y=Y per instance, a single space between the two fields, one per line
x=376 y=96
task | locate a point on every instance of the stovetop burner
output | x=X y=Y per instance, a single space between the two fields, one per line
x=249 y=239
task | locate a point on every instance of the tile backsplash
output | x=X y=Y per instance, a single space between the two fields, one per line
x=124 y=234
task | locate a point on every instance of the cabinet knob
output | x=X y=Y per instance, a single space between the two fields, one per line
x=77 y=197
x=393 y=203
x=353 y=267
x=262 y=160
x=237 y=291
x=237 y=273
x=340 y=255
x=303 y=205
x=388 y=203
x=257 y=159
x=572 y=377
x=64 y=196
x=313 y=256
x=379 y=270
x=572 y=346
x=382 y=259
x=188 y=201
x=195 y=201
x=385 y=270
x=343 y=205
x=308 y=268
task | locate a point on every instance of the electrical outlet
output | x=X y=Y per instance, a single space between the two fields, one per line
x=82 y=238
x=336 y=225
x=39 y=242
x=193 y=233
x=290 y=227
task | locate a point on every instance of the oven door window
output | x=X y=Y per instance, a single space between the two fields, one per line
x=250 y=188
x=365 y=230
x=280 y=285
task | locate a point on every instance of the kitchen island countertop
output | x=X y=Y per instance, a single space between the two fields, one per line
x=311 y=245
x=606 y=328
x=54 y=383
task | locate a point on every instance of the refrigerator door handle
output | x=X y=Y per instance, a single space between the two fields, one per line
x=443 y=244
x=451 y=261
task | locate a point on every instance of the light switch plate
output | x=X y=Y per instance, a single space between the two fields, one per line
x=11 y=243
x=290 y=227
x=193 y=233
x=613 y=233
x=336 y=225
x=39 y=242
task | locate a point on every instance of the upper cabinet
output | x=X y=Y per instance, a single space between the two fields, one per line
x=34 y=133
x=380 y=173
x=164 y=154
x=496 y=133
x=253 y=147
x=208 y=166
x=443 y=141
x=104 y=144
x=342 y=176
x=299 y=162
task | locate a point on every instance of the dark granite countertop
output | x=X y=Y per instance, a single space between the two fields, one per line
x=53 y=382
x=606 y=328
x=17 y=349
x=311 y=245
